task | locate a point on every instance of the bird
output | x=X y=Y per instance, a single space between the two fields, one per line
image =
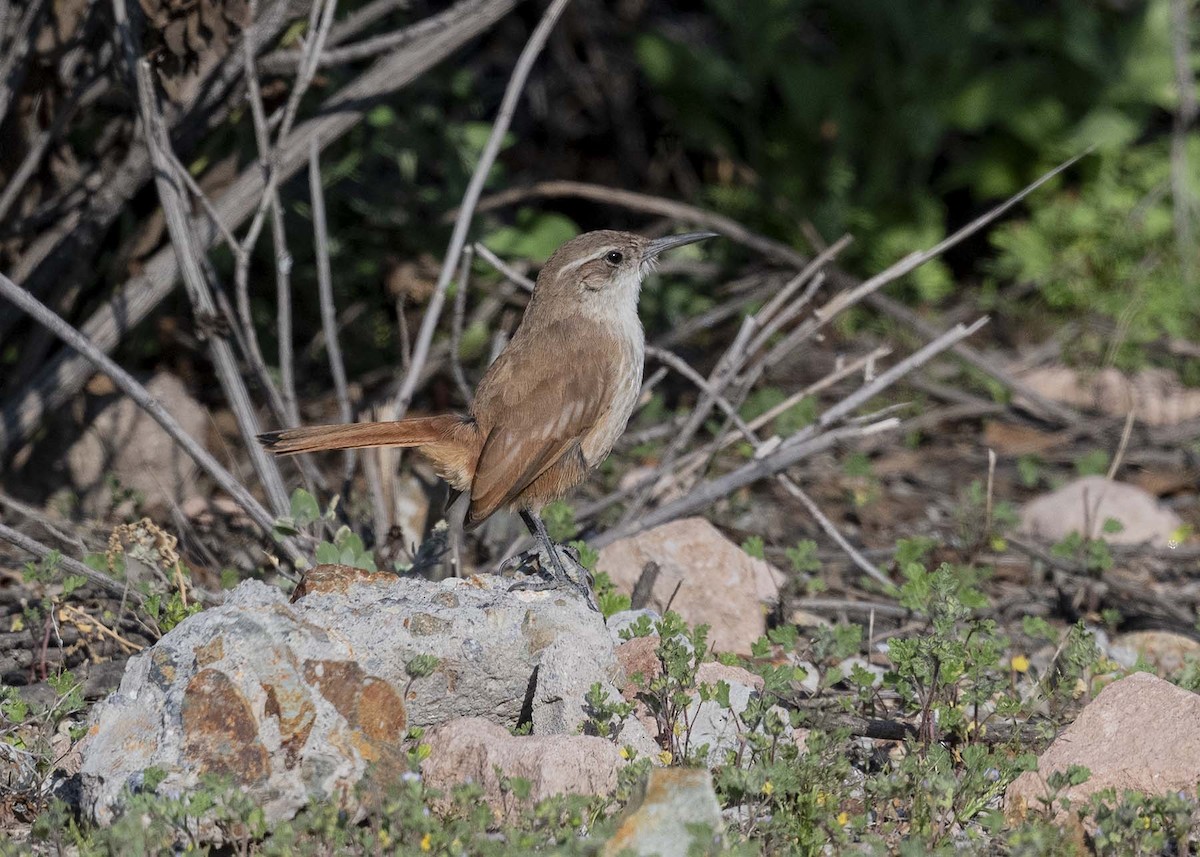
x=551 y=405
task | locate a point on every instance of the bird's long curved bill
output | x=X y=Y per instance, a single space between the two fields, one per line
x=658 y=245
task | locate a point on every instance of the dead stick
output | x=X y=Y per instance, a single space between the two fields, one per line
x=325 y=288
x=198 y=288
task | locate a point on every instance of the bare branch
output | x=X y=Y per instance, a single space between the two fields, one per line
x=456 y=327
x=795 y=448
x=325 y=286
x=195 y=278
x=834 y=533
x=13 y=67
x=777 y=250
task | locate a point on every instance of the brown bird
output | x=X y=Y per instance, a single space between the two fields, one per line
x=551 y=406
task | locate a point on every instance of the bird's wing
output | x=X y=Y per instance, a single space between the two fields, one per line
x=539 y=409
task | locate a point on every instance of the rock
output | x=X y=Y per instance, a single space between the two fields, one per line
x=812 y=676
x=1085 y=504
x=125 y=442
x=475 y=750
x=638 y=657
x=711 y=672
x=714 y=726
x=619 y=622
x=294 y=701
x=719 y=583
x=1165 y=651
x=1157 y=396
x=847 y=666
x=666 y=818
x=565 y=675
x=1140 y=733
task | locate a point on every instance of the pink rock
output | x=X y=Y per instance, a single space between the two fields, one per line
x=719 y=583
x=711 y=672
x=1082 y=506
x=1141 y=733
x=471 y=749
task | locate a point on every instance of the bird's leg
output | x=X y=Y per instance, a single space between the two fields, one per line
x=557 y=571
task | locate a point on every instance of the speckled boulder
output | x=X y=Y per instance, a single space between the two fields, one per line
x=294 y=700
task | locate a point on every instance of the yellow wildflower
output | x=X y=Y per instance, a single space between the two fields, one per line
x=768 y=788
x=843 y=818
x=1020 y=664
x=665 y=757
x=426 y=842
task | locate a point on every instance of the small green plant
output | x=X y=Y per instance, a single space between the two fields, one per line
x=755 y=547
x=1092 y=555
x=803 y=557
x=346 y=549
x=668 y=694
x=604 y=715
x=608 y=597
x=559 y=518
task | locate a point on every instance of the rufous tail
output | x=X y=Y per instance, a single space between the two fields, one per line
x=417 y=431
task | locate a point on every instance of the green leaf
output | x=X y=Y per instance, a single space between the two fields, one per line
x=535 y=236
x=304 y=507
x=327 y=553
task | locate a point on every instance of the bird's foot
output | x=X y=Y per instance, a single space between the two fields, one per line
x=564 y=568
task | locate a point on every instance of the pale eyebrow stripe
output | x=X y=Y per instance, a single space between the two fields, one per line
x=581 y=262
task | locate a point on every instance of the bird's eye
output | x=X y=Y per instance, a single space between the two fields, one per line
x=614 y=257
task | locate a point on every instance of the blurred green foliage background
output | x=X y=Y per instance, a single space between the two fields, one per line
x=896 y=122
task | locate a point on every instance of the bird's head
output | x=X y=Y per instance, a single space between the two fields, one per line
x=606 y=266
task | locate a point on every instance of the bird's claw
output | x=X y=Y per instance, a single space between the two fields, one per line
x=553 y=571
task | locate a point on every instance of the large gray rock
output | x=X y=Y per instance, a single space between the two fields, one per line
x=294 y=700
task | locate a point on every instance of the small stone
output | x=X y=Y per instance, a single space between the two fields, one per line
x=1165 y=651
x=877 y=672
x=625 y=619
x=565 y=675
x=638 y=657
x=666 y=818
x=719 y=584
x=715 y=726
x=711 y=672
x=475 y=750
x=812 y=676
x=1140 y=734
x=1084 y=505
